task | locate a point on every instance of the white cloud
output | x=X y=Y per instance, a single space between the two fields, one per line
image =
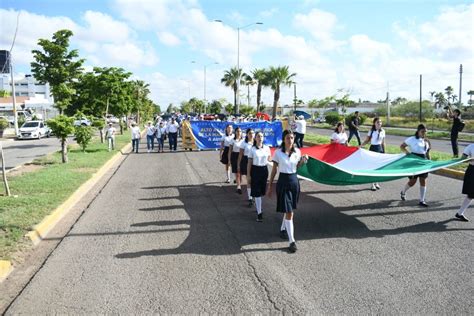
x=168 y=39
x=369 y=50
x=268 y=13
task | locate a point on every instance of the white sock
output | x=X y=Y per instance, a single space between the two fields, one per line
x=289 y=230
x=258 y=204
x=248 y=193
x=422 y=193
x=464 y=205
x=405 y=189
x=228 y=174
x=283 y=226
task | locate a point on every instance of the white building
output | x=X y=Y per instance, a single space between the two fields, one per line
x=38 y=96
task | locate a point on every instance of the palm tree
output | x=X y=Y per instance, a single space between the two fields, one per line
x=259 y=76
x=230 y=79
x=470 y=93
x=276 y=77
x=449 y=91
x=142 y=90
x=440 y=100
x=248 y=81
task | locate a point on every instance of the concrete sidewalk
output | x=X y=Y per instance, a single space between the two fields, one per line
x=166 y=235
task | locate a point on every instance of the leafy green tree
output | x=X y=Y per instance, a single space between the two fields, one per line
x=333 y=118
x=229 y=108
x=344 y=102
x=58 y=66
x=449 y=91
x=440 y=100
x=247 y=110
x=100 y=125
x=470 y=93
x=141 y=90
x=230 y=79
x=260 y=77
x=216 y=107
x=276 y=77
x=83 y=134
x=4 y=93
x=62 y=126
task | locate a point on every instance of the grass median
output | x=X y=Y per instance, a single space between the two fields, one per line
x=390 y=149
x=37 y=193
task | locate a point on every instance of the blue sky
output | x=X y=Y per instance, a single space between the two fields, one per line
x=360 y=47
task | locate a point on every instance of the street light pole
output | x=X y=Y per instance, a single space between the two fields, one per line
x=204 y=82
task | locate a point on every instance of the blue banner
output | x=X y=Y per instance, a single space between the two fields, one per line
x=208 y=134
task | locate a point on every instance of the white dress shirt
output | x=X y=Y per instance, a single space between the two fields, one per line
x=417 y=146
x=246 y=147
x=287 y=164
x=227 y=140
x=236 y=144
x=377 y=137
x=340 y=138
x=260 y=156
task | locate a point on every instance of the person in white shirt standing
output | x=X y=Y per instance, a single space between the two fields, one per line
x=245 y=148
x=420 y=146
x=172 y=130
x=258 y=159
x=376 y=137
x=339 y=136
x=300 y=130
x=110 y=133
x=135 y=137
x=150 y=137
x=234 y=149
x=287 y=159
x=224 y=151
x=160 y=136
x=468 y=184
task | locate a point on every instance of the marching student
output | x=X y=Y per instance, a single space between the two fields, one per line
x=234 y=149
x=419 y=145
x=339 y=136
x=468 y=185
x=224 y=151
x=376 y=137
x=257 y=171
x=245 y=148
x=287 y=159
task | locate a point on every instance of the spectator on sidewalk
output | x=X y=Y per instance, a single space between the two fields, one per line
x=150 y=136
x=457 y=127
x=354 y=128
x=172 y=130
x=300 y=130
x=135 y=137
x=110 y=134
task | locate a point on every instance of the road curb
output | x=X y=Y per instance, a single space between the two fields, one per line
x=5 y=269
x=40 y=230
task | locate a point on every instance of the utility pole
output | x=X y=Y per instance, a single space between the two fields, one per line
x=15 y=115
x=460 y=84
x=388 y=104
x=294 y=90
x=421 y=82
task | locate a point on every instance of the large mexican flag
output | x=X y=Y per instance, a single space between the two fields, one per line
x=336 y=164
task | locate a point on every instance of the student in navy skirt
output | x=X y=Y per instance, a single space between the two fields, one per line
x=376 y=138
x=224 y=152
x=468 y=185
x=234 y=150
x=245 y=148
x=287 y=159
x=257 y=171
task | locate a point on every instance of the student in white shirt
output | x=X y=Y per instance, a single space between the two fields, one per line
x=234 y=149
x=339 y=136
x=300 y=130
x=287 y=159
x=110 y=133
x=468 y=184
x=257 y=171
x=224 y=151
x=172 y=130
x=376 y=137
x=245 y=148
x=160 y=136
x=135 y=137
x=150 y=136
x=419 y=145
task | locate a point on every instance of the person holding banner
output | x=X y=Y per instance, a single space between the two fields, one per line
x=287 y=159
x=339 y=136
x=234 y=149
x=420 y=146
x=258 y=158
x=245 y=148
x=468 y=184
x=224 y=151
x=376 y=137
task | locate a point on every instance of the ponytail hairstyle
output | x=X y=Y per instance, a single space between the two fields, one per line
x=255 y=139
x=235 y=132
x=226 y=133
x=283 y=149
x=247 y=132
x=374 y=128
x=418 y=129
x=337 y=127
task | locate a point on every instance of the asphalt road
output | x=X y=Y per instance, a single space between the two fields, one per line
x=443 y=145
x=167 y=236
x=19 y=152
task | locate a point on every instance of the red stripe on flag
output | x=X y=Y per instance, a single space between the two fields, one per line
x=330 y=153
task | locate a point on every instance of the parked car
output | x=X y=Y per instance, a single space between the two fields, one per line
x=83 y=121
x=112 y=119
x=34 y=129
x=319 y=120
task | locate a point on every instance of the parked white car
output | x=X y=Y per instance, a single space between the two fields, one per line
x=83 y=121
x=34 y=129
x=112 y=119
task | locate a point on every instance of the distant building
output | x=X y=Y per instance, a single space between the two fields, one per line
x=29 y=92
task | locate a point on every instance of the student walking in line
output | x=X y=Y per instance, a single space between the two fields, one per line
x=354 y=128
x=287 y=159
x=160 y=136
x=259 y=157
x=376 y=137
x=135 y=137
x=110 y=134
x=172 y=131
x=224 y=150
x=339 y=136
x=419 y=145
x=150 y=137
x=468 y=184
x=234 y=149
x=458 y=126
x=245 y=148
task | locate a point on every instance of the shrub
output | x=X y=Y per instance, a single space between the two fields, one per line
x=83 y=135
x=62 y=126
x=362 y=118
x=3 y=124
x=333 y=118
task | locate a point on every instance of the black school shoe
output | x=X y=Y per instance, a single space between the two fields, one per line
x=250 y=203
x=462 y=218
x=283 y=234
x=292 y=248
x=260 y=217
x=423 y=203
x=239 y=191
